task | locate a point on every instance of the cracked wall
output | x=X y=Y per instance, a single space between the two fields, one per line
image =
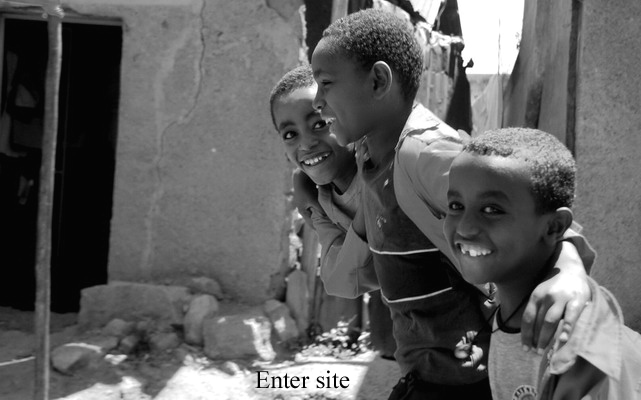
x=201 y=179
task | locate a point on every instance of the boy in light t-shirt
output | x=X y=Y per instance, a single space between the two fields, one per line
x=509 y=198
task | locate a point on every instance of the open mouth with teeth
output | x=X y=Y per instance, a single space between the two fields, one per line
x=473 y=251
x=330 y=123
x=315 y=160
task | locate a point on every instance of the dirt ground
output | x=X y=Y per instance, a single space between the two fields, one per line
x=186 y=374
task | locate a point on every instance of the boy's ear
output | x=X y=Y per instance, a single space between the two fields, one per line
x=382 y=78
x=560 y=220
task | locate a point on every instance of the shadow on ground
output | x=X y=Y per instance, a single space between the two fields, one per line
x=183 y=373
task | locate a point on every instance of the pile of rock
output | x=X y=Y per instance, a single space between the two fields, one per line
x=125 y=317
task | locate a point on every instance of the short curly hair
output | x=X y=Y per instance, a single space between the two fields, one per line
x=372 y=35
x=551 y=165
x=297 y=78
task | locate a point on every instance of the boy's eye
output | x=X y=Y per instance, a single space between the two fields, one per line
x=288 y=135
x=491 y=210
x=455 y=206
x=319 y=124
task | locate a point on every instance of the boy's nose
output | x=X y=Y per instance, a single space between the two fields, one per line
x=467 y=226
x=318 y=102
x=308 y=142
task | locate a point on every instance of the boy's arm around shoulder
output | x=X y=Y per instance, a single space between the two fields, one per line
x=562 y=295
x=347 y=269
x=585 y=251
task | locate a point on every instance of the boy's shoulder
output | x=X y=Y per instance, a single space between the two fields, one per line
x=424 y=129
x=426 y=139
x=599 y=336
x=424 y=154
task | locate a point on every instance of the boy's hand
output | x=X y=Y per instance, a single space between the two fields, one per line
x=561 y=297
x=305 y=195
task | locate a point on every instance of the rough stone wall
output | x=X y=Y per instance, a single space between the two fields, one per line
x=201 y=179
x=608 y=146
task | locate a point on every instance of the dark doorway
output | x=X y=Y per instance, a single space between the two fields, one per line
x=85 y=159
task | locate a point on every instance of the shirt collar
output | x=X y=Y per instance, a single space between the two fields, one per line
x=420 y=119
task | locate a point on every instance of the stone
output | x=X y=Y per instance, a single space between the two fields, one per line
x=201 y=307
x=131 y=302
x=206 y=285
x=129 y=344
x=238 y=336
x=162 y=341
x=230 y=368
x=282 y=322
x=71 y=357
x=105 y=343
x=144 y=327
x=119 y=328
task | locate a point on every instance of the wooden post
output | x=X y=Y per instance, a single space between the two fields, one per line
x=45 y=205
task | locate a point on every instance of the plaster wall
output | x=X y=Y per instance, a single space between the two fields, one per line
x=201 y=179
x=608 y=146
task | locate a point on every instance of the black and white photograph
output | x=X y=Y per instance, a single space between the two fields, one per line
x=320 y=200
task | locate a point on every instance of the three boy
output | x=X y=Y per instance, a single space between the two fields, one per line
x=367 y=67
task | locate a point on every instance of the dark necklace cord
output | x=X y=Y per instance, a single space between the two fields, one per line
x=502 y=324
x=467 y=348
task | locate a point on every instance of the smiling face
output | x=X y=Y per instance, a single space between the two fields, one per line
x=344 y=95
x=492 y=225
x=307 y=139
